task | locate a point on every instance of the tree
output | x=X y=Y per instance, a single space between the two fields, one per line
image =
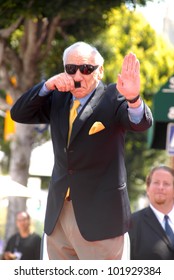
x=29 y=32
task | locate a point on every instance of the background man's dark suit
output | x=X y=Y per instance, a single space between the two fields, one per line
x=93 y=165
x=147 y=227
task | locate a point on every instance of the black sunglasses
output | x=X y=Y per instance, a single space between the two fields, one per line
x=85 y=69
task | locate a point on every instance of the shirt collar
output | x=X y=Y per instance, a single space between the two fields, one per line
x=160 y=216
x=171 y=215
x=84 y=99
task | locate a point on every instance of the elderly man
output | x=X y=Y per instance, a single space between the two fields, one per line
x=88 y=209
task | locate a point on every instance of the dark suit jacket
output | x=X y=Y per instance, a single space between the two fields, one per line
x=147 y=237
x=93 y=165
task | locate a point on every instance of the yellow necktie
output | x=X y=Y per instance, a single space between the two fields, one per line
x=72 y=116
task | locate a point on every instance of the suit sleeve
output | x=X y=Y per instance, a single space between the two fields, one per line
x=31 y=108
x=124 y=120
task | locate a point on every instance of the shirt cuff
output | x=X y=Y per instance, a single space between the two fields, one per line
x=136 y=114
x=44 y=91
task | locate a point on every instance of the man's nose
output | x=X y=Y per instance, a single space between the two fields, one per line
x=161 y=185
x=78 y=76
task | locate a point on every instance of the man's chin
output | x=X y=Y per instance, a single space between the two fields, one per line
x=160 y=200
x=79 y=93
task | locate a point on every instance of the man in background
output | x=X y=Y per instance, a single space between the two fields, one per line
x=23 y=245
x=152 y=231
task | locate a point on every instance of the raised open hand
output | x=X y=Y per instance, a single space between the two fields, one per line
x=129 y=80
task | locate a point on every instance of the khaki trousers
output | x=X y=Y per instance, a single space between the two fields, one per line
x=66 y=242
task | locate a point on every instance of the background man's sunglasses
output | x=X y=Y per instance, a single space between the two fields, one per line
x=85 y=69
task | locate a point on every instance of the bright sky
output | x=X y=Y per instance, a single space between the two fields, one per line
x=154 y=12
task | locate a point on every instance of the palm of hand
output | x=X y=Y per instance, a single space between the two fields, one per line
x=129 y=80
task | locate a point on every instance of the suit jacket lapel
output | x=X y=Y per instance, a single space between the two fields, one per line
x=153 y=222
x=87 y=110
x=64 y=118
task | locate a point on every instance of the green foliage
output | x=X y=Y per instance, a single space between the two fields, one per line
x=83 y=12
x=134 y=34
x=67 y=9
x=78 y=20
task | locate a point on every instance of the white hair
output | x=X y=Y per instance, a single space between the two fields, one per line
x=84 y=46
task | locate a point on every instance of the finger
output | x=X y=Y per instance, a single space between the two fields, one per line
x=70 y=82
x=131 y=61
x=137 y=66
x=63 y=82
x=62 y=85
x=50 y=83
x=119 y=82
x=125 y=64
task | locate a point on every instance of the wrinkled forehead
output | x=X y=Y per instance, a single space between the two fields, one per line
x=81 y=54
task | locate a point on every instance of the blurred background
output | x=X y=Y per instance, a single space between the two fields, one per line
x=33 y=35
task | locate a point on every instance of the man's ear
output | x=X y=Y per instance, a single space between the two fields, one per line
x=100 y=72
x=147 y=191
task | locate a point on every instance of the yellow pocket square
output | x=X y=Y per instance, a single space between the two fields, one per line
x=96 y=127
